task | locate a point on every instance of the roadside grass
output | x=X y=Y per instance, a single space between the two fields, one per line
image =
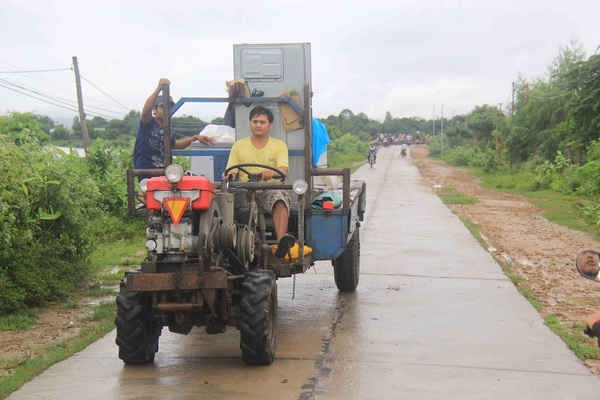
x=583 y=347
x=119 y=253
x=450 y=195
x=98 y=291
x=474 y=232
x=17 y=322
x=107 y=261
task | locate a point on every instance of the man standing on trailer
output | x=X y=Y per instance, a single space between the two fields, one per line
x=149 y=151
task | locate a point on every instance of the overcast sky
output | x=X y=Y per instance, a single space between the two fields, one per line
x=405 y=57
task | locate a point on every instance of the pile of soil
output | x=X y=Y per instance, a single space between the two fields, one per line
x=517 y=234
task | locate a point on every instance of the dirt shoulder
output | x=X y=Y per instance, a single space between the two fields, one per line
x=515 y=231
x=55 y=325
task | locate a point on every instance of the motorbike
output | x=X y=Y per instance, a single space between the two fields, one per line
x=588 y=266
x=371 y=158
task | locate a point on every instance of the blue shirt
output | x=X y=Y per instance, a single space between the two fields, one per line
x=149 y=150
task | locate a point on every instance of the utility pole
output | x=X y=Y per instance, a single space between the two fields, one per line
x=512 y=105
x=82 y=121
x=433 y=121
x=442 y=130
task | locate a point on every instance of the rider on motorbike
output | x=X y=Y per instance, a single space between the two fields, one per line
x=372 y=150
x=404 y=150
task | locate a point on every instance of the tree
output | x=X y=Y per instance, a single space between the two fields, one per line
x=387 y=122
x=568 y=58
x=482 y=121
x=46 y=123
x=584 y=106
x=59 y=132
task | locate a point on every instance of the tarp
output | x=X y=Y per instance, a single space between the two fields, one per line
x=334 y=197
x=320 y=139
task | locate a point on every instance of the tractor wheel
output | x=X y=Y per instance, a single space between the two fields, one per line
x=346 y=268
x=137 y=332
x=258 y=332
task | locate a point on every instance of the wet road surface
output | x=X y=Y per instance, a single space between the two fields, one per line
x=433 y=317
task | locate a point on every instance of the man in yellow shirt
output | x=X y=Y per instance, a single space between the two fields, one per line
x=260 y=148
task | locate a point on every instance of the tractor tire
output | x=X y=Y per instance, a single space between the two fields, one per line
x=346 y=268
x=137 y=332
x=258 y=305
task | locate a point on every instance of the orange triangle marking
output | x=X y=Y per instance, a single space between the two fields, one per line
x=176 y=208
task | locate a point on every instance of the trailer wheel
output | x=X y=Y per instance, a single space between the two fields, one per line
x=258 y=338
x=346 y=268
x=137 y=332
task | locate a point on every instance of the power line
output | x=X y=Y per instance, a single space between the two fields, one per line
x=44 y=97
x=88 y=106
x=104 y=93
x=55 y=100
x=116 y=113
x=37 y=98
x=34 y=92
x=34 y=71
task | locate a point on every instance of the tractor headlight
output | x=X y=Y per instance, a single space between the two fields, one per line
x=144 y=185
x=300 y=187
x=151 y=245
x=174 y=173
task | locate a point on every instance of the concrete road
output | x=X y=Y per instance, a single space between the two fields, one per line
x=434 y=317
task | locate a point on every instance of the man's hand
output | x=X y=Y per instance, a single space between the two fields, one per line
x=593 y=325
x=267 y=175
x=163 y=81
x=204 y=139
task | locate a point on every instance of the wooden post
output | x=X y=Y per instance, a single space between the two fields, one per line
x=82 y=121
x=166 y=96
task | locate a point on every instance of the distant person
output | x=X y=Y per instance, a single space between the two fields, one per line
x=260 y=148
x=149 y=151
x=372 y=150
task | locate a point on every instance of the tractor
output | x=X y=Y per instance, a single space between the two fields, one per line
x=209 y=249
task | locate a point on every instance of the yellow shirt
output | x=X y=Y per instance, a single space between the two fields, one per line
x=274 y=154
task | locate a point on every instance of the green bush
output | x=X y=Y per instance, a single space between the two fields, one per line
x=435 y=147
x=106 y=165
x=488 y=159
x=591 y=213
x=593 y=151
x=47 y=201
x=589 y=178
x=459 y=156
x=544 y=175
x=346 y=150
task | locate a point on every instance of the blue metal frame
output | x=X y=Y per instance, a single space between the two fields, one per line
x=242 y=100
x=327 y=233
x=220 y=156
